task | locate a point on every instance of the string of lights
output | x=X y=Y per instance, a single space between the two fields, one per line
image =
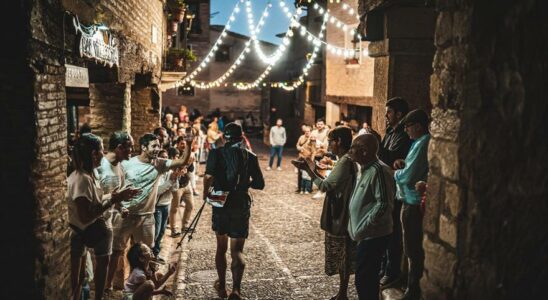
x=207 y=59
x=221 y=79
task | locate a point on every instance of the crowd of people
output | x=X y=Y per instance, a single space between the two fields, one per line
x=371 y=214
x=374 y=198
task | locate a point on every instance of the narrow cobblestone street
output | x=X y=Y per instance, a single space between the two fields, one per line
x=284 y=252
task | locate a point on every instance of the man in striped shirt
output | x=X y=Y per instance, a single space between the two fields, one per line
x=370 y=222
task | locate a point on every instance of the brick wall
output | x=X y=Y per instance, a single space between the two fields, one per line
x=145 y=113
x=485 y=225
x=107 y=108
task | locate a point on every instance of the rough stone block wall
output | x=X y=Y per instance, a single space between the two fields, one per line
x=107 y=108
x=145 y=113
x=485 y=223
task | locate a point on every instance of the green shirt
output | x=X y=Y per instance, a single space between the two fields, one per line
x=372 y=202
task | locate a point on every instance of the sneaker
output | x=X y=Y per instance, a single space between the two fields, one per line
x=279 y=169
x=307 y=192
x=302 y=192
x=318 y=195
x=268 y=168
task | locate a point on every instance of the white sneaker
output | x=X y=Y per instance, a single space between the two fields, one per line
x=279 y=169
x=268 y=168
x=307 y=192
x=318 y=195
x=302 y=192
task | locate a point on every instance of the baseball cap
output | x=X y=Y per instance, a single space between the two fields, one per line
x=416 y=116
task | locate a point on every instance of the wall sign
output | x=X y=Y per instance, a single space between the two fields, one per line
x=97 y=43
x=76 y=76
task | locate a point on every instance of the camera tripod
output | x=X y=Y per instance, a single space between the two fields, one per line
x=192 y=226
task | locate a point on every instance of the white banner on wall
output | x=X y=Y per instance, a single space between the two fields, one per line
x=97 y=43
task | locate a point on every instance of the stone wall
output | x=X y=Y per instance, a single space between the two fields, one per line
x=107 y=108
x=485 y=225
x=145 y=112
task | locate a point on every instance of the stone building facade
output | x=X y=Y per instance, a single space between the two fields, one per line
x=349 y=84
x=228 y=99
x=485 y=230
x=35 y=103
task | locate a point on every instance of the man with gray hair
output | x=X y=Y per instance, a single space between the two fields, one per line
x=370 y=207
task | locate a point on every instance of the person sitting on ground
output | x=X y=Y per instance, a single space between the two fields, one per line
x=232 y=169
x=338 y=186
x=143 y=282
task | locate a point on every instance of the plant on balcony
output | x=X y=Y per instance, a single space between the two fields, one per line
x=177 y=57
x=177 y=9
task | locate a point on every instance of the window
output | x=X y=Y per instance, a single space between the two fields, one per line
x=186 y=90
x=223 y=54
x=194 y=9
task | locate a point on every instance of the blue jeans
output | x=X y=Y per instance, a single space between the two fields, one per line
x=306 y=185
x=161 y=214
x=368 y=262
x=276 y=150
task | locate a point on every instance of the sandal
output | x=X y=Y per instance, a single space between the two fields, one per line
x=221 y=293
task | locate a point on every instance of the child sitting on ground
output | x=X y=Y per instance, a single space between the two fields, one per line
x=144 y=282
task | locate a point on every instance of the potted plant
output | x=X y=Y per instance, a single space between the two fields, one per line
x=176 y=57
x=172 y=24
x=177 y=9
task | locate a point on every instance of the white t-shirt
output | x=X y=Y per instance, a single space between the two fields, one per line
x=111 y=177
x=135 y=279
x=81 y=184
x=166 y=189
x=145 y=177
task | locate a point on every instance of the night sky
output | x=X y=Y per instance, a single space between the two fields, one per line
x=276 y=22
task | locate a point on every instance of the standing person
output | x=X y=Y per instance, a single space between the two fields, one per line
x=168 y=184
x=321 y=133
x=395 y=145
x=234 y=169
x=410 y=171
x=338 y=185
x=142 y=172
x=183 y=113
x=301 y=142
x=213 y=135
x=277 y=142
x=86 y=209
x=370 y=221
x=111 y=178
x=184 y=193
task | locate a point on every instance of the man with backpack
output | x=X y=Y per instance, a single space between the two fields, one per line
x=231 y=170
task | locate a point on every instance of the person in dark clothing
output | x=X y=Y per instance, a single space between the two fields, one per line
x=232 y=168
x=394 y=146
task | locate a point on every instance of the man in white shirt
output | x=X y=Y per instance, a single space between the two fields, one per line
x=321 y=134
x=278 y=138
x=142 y=172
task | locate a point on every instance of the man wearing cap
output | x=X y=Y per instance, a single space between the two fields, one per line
x=408 y=172
x=395 y=145
x=231 y=168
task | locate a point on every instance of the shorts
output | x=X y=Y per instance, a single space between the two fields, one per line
x=138 y=227
x=97 y=236
x=231 y=221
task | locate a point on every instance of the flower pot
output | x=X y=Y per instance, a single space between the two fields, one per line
x=179 y=15
x=172 y=27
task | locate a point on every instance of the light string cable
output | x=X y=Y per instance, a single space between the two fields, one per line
x=317 y=44
x=267 y=59
x=218 y=42
x=277 y=55
x=339 y=51
x=241 y=57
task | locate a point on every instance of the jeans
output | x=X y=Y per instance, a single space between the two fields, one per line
x=306 y=185
x=276 y=150
x=391 y=264
x=160 y=217
x=368 y=262
x=411 y=220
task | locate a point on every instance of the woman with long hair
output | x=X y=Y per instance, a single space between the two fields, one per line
x=86 y=208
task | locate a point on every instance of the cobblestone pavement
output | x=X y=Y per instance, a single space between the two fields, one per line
x=284 y=252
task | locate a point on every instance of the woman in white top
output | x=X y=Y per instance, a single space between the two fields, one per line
x=86 y=208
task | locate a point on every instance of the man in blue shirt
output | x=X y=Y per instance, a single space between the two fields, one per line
x=408 y=172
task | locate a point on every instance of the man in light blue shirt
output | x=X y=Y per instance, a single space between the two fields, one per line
x=409 y=171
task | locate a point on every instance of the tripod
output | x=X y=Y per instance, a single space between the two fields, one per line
x=192 y=226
